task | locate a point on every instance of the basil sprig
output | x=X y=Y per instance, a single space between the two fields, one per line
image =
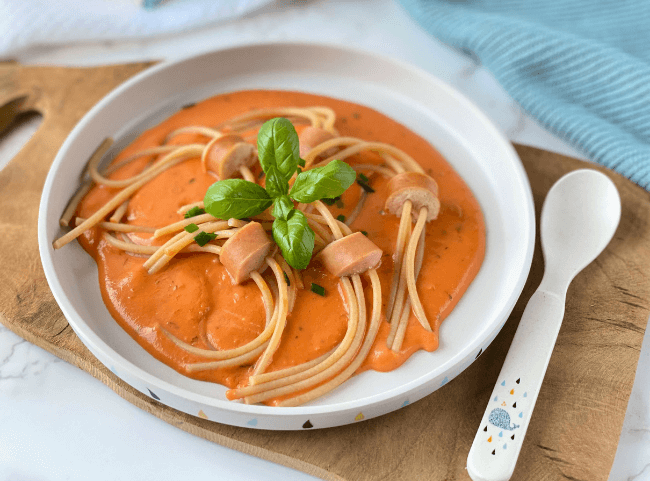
x=278 y=153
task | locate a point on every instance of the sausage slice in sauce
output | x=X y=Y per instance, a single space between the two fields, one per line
x=419 y=188
x=245 y=251
x=228 y=154
x=352 y=254
x=311 y=137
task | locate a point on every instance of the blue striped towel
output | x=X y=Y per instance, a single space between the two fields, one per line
x=580 y=67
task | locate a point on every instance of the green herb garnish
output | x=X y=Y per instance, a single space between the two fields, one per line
x=340 y=217
x=236 y=198
x=286 y=278
x=295 y=239
x=282 y=207
x=193 y=212
x=331 y=201
x=191 y=228
x=202 y=238
x=328 y=181
x=363 y=182
x=278 y=152
x=316 y=289
x=364 y=233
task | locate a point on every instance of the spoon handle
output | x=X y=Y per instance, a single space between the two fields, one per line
x=496 y=447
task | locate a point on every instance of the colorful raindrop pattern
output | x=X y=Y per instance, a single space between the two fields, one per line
x=504 y=412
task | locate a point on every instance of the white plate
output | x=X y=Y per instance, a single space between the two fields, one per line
x=457 y=128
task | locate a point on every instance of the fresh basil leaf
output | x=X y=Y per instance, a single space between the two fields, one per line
x=282 y=207
x=295 y=239
x=277 y=145
x=236 y=198
x=276 y=184
x=323 y=182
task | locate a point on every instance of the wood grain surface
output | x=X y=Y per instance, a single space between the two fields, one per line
x=574 y=430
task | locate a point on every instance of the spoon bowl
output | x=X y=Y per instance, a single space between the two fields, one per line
x=579 y=218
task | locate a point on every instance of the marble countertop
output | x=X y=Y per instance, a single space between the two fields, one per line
x=59 y=423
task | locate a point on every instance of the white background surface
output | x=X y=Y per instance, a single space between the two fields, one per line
x=59 y=423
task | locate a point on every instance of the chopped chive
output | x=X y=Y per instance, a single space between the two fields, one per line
x=340 y=217
x=339 y=203
x=286 y=278
x=363 y=177
x=365 y=186
x=316 y=289
x=202 y=238
x=364 y=233
x=331 y=201
x=191 y=228
x=194 y=211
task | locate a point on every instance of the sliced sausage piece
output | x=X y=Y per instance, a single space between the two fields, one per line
x=227 y=154
x=245 y=251
x=352 y=254
x=310 y=137
x=420 y=189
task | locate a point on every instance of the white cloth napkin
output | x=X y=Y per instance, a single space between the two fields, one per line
x=27 y=23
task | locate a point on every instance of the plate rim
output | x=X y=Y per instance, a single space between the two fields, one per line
x=96 y=344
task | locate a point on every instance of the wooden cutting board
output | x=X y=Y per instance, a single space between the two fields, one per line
x=574 y=430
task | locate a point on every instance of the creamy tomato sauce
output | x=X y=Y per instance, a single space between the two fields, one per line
x=193 y=297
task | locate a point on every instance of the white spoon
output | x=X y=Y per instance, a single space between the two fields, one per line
x=579 y=217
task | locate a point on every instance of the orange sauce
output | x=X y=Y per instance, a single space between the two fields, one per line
x=193 y=297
